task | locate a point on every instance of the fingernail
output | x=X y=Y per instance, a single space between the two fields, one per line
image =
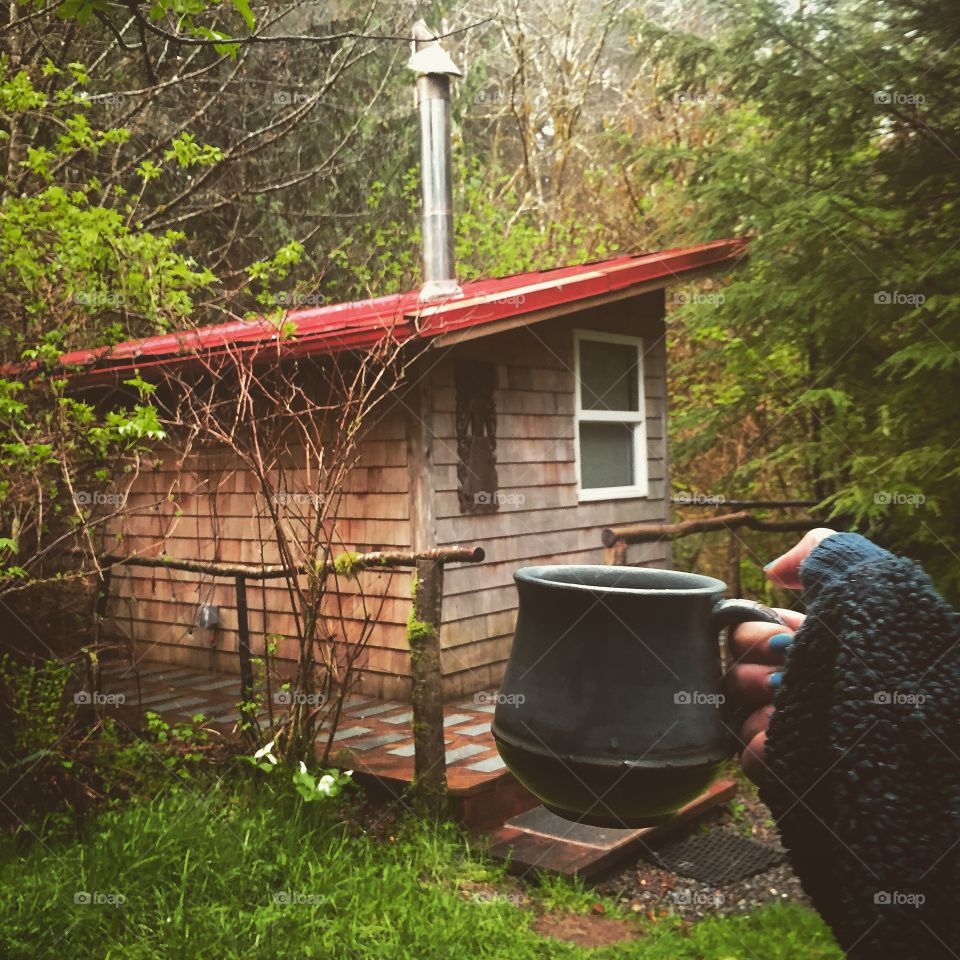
x=775 y=678
x=772 y=562
x=780 y=641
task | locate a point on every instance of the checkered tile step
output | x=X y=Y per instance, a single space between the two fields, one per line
x=388 y=727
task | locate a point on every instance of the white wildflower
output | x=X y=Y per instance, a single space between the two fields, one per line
x=325 y=784
x=266 y=751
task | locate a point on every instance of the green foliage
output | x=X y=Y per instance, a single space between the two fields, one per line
x=825 y=366
x=738 y=814
x=493 y=237
x=146 y=763
x=63 y=255
x=219 y=872
x=314 y=789
x=556 y=892
x=33 y=704
x=188 y=153
x=57 y=759
x=311 y=787
x=185 y=13
x=77 y=270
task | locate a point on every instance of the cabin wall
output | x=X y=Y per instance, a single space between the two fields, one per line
x=208 y=509
x=403 y=495
x=540 y=519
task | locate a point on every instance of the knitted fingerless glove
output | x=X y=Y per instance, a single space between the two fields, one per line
x=863 y=753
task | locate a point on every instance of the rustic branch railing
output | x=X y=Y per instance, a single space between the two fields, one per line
x=617 y=539
x=708 y=500
x=651 y=532
x=359 y=561
x=430 y=773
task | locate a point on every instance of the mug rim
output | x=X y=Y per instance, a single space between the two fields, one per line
x=540 y=574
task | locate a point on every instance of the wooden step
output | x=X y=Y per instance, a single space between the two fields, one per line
x=540 y=840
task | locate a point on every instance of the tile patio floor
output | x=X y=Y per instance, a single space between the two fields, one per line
x=376 y=735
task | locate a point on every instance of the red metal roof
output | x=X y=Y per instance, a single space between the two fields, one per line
x=362 y=323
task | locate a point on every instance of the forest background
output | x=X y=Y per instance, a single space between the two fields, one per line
x=181 y=162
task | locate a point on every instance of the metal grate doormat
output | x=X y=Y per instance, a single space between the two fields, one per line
x=716 y=857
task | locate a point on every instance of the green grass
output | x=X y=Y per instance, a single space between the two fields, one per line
x=226 y=874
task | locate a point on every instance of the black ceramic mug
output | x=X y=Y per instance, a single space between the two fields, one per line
x=612 y=711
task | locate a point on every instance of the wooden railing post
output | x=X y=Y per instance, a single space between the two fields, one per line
x=615 y=554
x=733 y=562
x=243 y=649
x=430 y=768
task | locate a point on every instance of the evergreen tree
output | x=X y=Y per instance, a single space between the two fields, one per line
x=835 y=145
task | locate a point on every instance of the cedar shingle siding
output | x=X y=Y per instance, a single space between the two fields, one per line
x=501 y=416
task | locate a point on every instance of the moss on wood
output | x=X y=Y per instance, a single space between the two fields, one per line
x=346 y=564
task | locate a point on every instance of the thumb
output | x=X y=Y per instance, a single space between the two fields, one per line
x=785 y=570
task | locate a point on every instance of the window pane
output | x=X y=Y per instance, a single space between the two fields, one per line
x=608 y=376
x=606 y=455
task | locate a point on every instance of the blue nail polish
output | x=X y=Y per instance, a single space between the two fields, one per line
x=780 y=641
x=775 y=678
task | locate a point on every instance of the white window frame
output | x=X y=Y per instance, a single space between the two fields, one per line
x=637 y=417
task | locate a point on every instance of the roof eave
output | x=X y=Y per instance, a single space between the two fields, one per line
x=535 y=297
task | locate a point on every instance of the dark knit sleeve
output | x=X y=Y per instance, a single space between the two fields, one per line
x=832 y=560
x=863 y=753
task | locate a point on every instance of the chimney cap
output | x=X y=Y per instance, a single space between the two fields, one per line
x=428 y=56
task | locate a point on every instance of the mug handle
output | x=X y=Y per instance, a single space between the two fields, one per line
x=727 y=613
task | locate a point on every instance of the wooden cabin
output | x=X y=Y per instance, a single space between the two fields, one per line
x=536 y=418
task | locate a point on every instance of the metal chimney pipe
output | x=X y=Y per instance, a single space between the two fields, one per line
x=434 y=69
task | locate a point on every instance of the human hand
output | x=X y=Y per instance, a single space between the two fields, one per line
x=757 y=653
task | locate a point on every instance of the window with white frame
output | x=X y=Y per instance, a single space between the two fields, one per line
x=611 y=444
